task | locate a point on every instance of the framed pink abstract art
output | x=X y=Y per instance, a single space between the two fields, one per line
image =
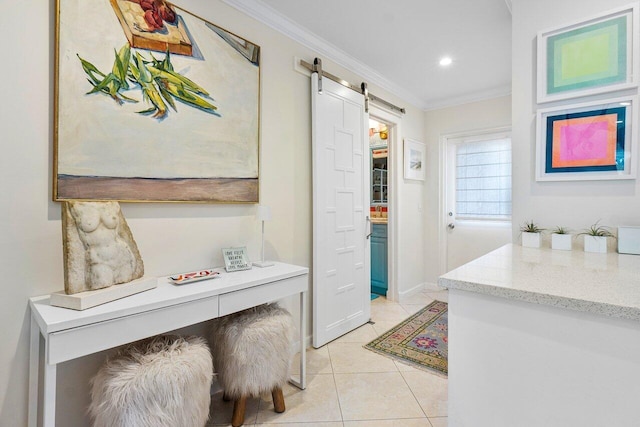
x=590 y=141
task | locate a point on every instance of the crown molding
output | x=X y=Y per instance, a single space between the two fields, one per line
x=496 y=92
x=270 y=17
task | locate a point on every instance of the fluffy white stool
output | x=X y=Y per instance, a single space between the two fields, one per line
x=163 y=381
x=252 y=355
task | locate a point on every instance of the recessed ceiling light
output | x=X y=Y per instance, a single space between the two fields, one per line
x=446 y=61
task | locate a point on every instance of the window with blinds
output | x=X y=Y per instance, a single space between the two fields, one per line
x=483 y=180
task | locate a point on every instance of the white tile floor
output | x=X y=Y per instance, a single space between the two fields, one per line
x=349 y=386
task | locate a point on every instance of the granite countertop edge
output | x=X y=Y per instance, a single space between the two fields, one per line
x=602 y=308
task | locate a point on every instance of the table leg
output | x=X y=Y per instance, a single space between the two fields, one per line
x=49 y=404
x=303 y=347
x=34 y=364
x=302 y=384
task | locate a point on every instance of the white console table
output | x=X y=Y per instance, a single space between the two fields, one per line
x=69 y=334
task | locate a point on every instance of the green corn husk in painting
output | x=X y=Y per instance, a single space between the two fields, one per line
x=90 y=69
x=167 y=97
x=165 y=64
x=109 y=84
x=178 y=79
x=121 y=65
x=160 y=84
x=149 y=90
x=179 y=92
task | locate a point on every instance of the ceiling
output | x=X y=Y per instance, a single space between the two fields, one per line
x=397 y=45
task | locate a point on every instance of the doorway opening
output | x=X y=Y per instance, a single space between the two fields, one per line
x=384 y=210
x=379 y=206
x=383 y=131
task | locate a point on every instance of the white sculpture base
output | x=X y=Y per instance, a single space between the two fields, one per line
x=88 y=299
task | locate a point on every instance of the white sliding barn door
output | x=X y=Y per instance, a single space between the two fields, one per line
x=341 y=253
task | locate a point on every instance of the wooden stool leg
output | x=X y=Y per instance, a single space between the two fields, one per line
x=278 y=399
x=239 y=407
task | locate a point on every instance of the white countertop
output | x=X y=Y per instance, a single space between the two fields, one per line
x=607 y=284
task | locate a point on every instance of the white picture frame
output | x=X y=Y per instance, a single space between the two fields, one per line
x=563 y=60
x=414 y=160
x=564 y=154
x=236 y=259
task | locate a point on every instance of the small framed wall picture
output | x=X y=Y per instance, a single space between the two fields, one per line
x=236 y=259
x=414 y=160
x=590 y=141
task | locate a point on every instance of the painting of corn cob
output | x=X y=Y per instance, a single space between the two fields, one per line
x=153 y=104
x=159 y=83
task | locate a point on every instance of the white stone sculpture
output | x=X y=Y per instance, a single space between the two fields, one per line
x=99 y=250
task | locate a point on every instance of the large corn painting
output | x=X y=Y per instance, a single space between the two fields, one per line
x=153 y=104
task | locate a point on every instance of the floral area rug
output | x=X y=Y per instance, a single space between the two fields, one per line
x=421 y=340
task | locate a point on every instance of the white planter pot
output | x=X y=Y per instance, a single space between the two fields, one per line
x=530 y=240
x=629 y=240
x=561 y=242
x=595 y=244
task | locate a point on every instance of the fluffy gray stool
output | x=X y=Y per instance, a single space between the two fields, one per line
x=252 y=355
x=163 y=381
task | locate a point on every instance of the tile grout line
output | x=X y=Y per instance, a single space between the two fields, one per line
x=409 y=387
x=414 y=395
x=335 y=384
x=399 y=371
x=255 y=421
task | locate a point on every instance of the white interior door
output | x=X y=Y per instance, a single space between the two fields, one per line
x=477 y=216
x=341 y=253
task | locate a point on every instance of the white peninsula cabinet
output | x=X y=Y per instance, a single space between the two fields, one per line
x=544 y=338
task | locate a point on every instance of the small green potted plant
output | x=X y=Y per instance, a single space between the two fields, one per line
x=531 y=234
x=561 y=239
x=595 y=238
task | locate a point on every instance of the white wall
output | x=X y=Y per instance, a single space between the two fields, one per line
x=171 y=237
x=481 y=115
x=572 y=204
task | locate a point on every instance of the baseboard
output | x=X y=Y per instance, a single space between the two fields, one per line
x=432 y=287
x=406 y=294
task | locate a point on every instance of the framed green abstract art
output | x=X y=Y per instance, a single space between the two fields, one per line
x=593 y=56
x=589 y=141
x=153 y=104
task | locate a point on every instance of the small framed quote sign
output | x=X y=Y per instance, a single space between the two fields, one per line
x=236 y=259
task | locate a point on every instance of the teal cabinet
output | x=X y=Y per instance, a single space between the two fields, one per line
x=379 y=283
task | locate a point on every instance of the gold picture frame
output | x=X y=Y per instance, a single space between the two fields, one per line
x=153 y=104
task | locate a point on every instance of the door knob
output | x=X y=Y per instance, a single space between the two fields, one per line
x=451 y=226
